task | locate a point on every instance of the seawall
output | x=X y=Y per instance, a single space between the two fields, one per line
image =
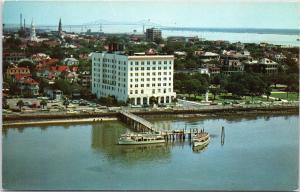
x=46 y=118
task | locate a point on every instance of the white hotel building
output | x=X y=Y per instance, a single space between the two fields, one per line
x=136 y=78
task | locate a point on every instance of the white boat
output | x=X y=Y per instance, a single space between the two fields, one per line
x=201 y=140
x=140 y=139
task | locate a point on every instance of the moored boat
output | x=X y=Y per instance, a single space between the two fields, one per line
x=140 y=139
x=201 y=140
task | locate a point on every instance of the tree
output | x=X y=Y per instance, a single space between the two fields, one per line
x=215 y=91
x=43 y=103
x=191 y=86
x=292 y=83
x=66 y=102
x=268 y=92
x=20 y=104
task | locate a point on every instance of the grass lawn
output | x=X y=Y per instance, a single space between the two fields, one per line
x=225 y=97
x=291 y=96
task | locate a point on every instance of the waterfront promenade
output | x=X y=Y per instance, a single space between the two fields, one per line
x=24 y=118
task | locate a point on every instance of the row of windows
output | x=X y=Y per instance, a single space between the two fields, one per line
x=153 y=79
x=148 y=74
x=153 y=91
x=110 y=60
x=149 y=62
x=148 y=68
x=148 y=85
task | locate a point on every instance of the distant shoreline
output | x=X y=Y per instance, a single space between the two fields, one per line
x=46 y=119
x=236 y=30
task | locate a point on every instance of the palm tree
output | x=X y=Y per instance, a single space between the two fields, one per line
x=43 y=103
x=20 y=104
x=66 y=103
x=268 y=92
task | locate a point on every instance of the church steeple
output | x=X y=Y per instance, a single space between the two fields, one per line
x=32 y=32
x=59 y=28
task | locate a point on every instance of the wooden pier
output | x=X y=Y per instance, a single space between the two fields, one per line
x=139 y=124
x=136 y=123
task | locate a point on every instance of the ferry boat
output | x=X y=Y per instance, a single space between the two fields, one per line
x=140 y=139
x=201 y=140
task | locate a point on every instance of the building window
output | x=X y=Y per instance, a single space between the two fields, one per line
x=143 y=63
x=136 y=63
x=131 y=92
x=136 y=91
x=153 y=68
x=153 y=91
x=153 y=62
x=142 y=85
x=136 y=85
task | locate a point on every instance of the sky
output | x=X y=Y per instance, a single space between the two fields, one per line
x=189 y=13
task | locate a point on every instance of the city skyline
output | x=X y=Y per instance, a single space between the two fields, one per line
x=179 y=14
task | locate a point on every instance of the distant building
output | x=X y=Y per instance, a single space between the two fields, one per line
x=264 y=65
x=70 y=61
x=231 y=65
x=28 y=87
x=207 y=56
x=60 y=32
x=12 y=57
x=53 y=93
x=268 y=66
x=18 y=71
x=214 y=70
x=32 y=33
x=153 y=34
x=136 y=78
x=85 y=79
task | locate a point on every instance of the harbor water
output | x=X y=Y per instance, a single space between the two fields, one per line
x=258 y=153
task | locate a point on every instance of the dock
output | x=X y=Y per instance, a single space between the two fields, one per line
x=139 y=124
x=136 y=123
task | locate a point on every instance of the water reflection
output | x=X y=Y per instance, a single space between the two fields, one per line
x=105 y=137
